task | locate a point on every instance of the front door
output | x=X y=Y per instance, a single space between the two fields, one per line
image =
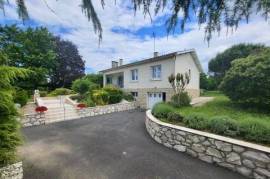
x=154 y=98
x=120 y=81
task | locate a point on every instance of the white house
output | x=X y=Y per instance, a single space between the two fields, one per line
x=147 y=80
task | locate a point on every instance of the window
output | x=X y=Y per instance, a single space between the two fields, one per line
x=156 y=72
x=134 y=75
x=109 y=80
x=134 y=94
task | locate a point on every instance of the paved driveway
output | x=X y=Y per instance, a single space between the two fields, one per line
x=113 y=146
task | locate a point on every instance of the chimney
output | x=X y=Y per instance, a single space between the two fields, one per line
x=120 y=61
x=114 y=64
x=155 y=54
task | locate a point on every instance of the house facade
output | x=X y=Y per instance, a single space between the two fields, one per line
x=147 y=80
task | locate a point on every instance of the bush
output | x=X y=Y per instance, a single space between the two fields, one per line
x=128 y=97
x=255 y=131
x=180 y=99
x=100 y=97
x=43 y=93
x=248 y=80
x=196 y=121
x=224 y=125
x=115 y=95
x=161 y=110
x=81 y=86
x=60 y=91
x=21 y=97
x=89 y=102
x=173 y=116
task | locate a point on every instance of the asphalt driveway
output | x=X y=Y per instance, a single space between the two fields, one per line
x=113 y=146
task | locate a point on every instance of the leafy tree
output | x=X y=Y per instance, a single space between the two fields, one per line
x=203 y=81
x=212 y=13
x=248 y=80
x=30 y=48
x=82 y=86
x=9 y=126
x=95 y=78
x=70 y=65
x=222 y=62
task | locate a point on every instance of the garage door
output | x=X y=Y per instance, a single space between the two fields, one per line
x=154 y=98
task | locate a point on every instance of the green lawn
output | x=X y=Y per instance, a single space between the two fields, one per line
x=222 y=106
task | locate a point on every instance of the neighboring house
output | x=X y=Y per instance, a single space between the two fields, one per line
x=147 y=80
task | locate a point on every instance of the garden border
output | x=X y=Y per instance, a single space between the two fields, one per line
x=14 y=171
x=248 y=159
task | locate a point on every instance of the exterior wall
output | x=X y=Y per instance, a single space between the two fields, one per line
x=185 y=62
x=144 y=75
x=14 y=171
x=143 y=94
x=248 y=159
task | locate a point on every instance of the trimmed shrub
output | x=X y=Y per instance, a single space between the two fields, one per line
x=181 y=99
x=20 y=97
x=43 y=93
x=255 y=131
x=81 y=86
x=224 y=125
x=161 y=110
x=196 y=121
x=60 y=91
x=128 y=97
x=100 y=97
x=248 y=80
x=115 y=95
x=89 y=102
x=174 y=116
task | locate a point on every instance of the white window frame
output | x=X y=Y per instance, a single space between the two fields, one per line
x=135 y=73
x=156 y=72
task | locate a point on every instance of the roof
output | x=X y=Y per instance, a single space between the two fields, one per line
x=159 y=58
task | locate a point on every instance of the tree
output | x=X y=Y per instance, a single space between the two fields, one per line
x=248 y=80
x=211 y=13
x=30 y=48
x=9 y=126
x=70 y=65
x=203 y=81
x=95 y=78
x=222 y=62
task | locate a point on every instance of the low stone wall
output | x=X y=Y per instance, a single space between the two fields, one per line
x=248 y=159
x=14 y=171
x=32 y=120
x=99 y=110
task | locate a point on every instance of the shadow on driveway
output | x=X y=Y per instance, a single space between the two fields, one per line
x=113 y=146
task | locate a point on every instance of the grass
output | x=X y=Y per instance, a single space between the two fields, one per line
x=222 y=106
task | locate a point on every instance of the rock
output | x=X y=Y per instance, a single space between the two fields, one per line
x=168 y=145
x=180 y=148
x=227 y=165
x=157 y=139
x=257 y=176
x=233 y=158
x=248 y=163
x=168 y=134
x=192 y=153
x=206 y=158
x=164 y=139
x=182 y=133
x=202 y=138
x=260 y=164
x=244 y=171
x=179 y=138
x=194 y=138
x=238 y=149
x=213 y=152
x=198 y=148
x=263 y=172
x=256 y=156
x=223 y=146
x=217 y=160
x=206 y=143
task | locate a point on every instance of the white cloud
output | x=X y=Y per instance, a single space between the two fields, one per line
x=130 y=48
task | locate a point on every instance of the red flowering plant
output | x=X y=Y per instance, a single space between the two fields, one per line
x=81 y=105
x=41 y=109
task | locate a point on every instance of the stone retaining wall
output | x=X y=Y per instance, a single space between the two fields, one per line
x=14 y=171
x=32 y=120
x=248 y=159
x=99 y=110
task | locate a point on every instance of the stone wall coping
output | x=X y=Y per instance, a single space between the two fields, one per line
x=209 y=135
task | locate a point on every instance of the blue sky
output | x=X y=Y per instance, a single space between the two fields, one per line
x=127 y=36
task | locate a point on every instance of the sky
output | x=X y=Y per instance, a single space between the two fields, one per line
x=128 y=36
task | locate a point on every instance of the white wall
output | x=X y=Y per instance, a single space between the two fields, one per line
x=185 y=62
x=171 y=66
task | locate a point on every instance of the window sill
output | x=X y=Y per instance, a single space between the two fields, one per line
x=134 y=81
x=156 y=79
